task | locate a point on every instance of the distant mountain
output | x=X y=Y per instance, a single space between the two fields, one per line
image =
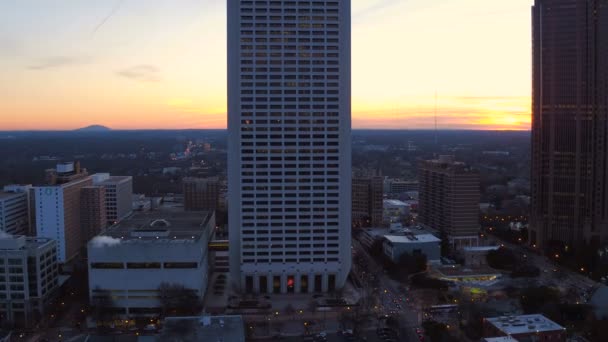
x=94 y=128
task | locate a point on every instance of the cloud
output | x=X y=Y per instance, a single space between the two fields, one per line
x=141 y=73
x=104 y=241
x=108 y=16
x=374 y=6
x=58 y=62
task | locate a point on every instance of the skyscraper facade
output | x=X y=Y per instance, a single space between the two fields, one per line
x=367 y=199
x=449 y=200
x=289 y=160
x=569 y=122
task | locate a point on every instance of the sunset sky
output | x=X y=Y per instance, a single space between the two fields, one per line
x=131 y=64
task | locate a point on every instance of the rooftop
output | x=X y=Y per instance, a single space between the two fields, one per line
x=21 y=242
x=500 y=339
x=481 y=248
x=412 y=238
x=205 y=328
x=115 y=179
x=394 y=202
x=5 y=195
x=167 y=224
x=524 y=324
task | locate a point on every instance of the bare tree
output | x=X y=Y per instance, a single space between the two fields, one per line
x=178 y=298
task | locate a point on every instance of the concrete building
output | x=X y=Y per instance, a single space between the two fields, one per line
x=477 y=255
x=367 y=199
x=536 y=326
x=93 y=211
x=395 y=245
x=119 y=192
x=569 y=186
x=132 y=259
x=28 y=278
x=201 y=193
x=204 y=328
x=15 y=209
x=399 y=186
x=449 y=200
x=58 y=209
x=394 y=211
x=289 y=145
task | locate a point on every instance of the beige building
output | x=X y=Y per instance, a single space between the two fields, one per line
x=449 y=199
x=93 y=211
x=367 y=199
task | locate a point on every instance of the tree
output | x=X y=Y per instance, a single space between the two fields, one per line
x=436 y=331
x=178 y=298
x=533 y=299
x=376 y=249
x=412 y=263
x=502 y=258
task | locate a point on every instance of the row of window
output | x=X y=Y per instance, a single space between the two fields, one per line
x=289 y=260
x=143 y=265
x=292 y=3
x=299 y=232
x=289 y=85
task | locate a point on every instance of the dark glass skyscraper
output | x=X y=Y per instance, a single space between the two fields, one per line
x=569 y=127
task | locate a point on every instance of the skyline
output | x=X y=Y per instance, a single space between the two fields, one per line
x=131 y=64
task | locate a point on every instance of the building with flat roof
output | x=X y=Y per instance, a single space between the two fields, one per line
x=28 y=278
x=394 y=210
x=204 y=328
x=524 y=326
x=395 y=245
x=449 y=199
x=118 y=195
x=58 y=209
x=477 y=256
x=289 y=145
x=569 y=187
x=130 y=260
x=15 y=209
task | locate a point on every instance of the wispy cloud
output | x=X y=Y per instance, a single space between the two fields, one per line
x=141 y=73
x=108 y=16
x=374 y=6
x=58 y=62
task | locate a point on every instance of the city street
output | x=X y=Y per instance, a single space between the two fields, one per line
x=392 y=300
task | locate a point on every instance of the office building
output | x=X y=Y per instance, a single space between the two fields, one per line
x=534 y=327
x=367 y=199
x=14 y=209
x=93 y=211
x=29 y=278
x=289 y=146
x=201 y=193
x=394 y=246
x=58 y=209
x=569 y=186
x=131 y=260
x=399 y=186
x=449 y=200
x=119 y=192
x=394 y=211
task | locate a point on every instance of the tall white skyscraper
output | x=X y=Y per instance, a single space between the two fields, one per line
x=289 y=153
